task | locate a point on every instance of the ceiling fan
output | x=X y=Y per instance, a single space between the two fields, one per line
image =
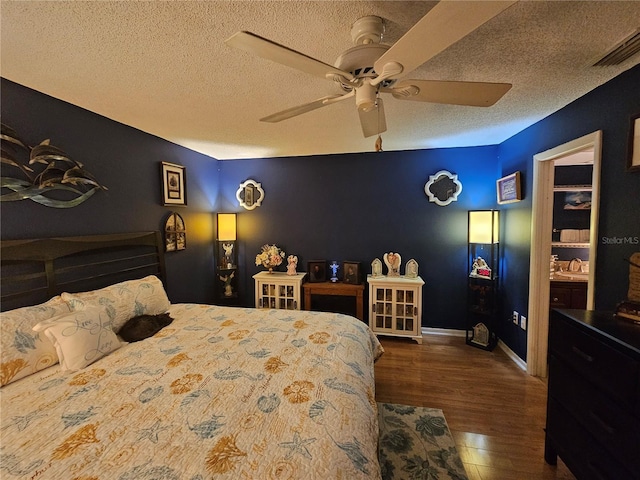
x=371 y=67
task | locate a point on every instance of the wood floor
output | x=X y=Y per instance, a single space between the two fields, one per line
x=495 y=411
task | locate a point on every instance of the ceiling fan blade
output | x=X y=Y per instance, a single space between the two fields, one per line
x=373 y=121
x=476 y=94
x=267 y=49
x=442 y=26
x=307 y=107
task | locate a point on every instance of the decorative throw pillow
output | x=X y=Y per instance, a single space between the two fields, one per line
x=80 y=337
x=23 y=351
x=125 y=300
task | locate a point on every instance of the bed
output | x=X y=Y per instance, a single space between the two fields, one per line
x=221 y=392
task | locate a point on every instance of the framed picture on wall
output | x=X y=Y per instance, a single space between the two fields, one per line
x=634 y=144
x=174 y=186
x=577 y=200
x=508 y=189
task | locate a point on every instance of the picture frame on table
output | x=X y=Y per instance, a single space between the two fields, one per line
x=633 y=162
x=174 y=185
x=317 y=271
x=508 y=189
x=351 y=273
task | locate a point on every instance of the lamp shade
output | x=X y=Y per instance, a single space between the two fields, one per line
x=227 y=226
x=484 y=226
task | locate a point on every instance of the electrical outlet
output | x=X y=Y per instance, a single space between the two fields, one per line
x=523 y=322
x=514 y=317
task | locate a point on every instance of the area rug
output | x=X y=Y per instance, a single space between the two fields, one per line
x=416 y=444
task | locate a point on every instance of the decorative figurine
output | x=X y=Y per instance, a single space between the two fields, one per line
x=411 y=270
x=334 y=271
x=393 y=263
x=228 y=288
x=480 y=334
x=480 y=268
x=292 y=263
x=376 y=268
x=228 y=252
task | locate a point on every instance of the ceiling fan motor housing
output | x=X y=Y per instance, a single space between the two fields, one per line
x=369 y=29
x=359 y=60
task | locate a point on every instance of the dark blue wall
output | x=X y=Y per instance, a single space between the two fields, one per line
x=359 y=206
x=607 y=108
x=127 y=161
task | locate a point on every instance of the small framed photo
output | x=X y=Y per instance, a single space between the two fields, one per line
x=351 y=273
x=508 y=189
x=317 y=271
x=174 y=185
x=634 y=144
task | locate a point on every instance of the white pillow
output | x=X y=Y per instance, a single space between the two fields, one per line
x=125 y=300
x=24 y=352
x=80 y=337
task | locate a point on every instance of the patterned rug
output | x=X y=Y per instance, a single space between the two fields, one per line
x=416 y=444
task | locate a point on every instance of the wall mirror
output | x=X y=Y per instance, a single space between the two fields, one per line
x=250 y=194
x=443 y=188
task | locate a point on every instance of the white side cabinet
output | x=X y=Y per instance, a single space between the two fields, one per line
x=279 y=290
x=395 y=306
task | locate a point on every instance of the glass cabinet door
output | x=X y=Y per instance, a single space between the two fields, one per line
x=268 y=296
x=405 y=311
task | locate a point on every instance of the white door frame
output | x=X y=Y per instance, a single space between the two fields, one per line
x=541 y=230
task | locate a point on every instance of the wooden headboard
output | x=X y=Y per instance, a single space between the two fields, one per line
x=32 y=271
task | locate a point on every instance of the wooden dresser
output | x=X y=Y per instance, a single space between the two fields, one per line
x=593 y=408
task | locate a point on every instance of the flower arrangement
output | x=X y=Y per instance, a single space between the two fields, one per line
x=270 y=256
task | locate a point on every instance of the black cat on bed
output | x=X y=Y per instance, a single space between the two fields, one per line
x=143 y=326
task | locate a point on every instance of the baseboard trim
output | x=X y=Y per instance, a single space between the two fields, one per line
x=443 y=331
x=512 y=355
x=462 y=333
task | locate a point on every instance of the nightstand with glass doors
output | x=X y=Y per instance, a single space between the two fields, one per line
x=278 y=290
x=395 y=306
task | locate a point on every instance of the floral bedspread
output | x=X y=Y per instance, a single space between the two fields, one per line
x=222 y=392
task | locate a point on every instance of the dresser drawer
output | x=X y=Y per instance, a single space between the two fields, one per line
x=605 y=367
x=616 y=429
x=580 y=450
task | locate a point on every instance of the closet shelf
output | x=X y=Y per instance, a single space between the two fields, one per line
x=572 y=188
x=570 y=244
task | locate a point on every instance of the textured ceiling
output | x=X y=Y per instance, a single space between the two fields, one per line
x=163 y=67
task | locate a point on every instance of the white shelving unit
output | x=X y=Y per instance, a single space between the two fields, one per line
x=279 y=290
x=395 y=306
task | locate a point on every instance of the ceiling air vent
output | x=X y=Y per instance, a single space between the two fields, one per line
x=625 y=49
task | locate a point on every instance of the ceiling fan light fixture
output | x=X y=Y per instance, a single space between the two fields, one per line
x=366 y=97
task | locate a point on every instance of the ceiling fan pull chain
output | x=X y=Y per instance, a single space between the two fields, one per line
x=378 y=144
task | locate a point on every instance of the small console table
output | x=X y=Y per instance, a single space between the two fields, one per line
x=337 y=288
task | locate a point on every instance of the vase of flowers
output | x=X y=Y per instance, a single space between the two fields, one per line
x=270 y=257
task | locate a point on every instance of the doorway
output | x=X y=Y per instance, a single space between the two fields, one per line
x=541 y=237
